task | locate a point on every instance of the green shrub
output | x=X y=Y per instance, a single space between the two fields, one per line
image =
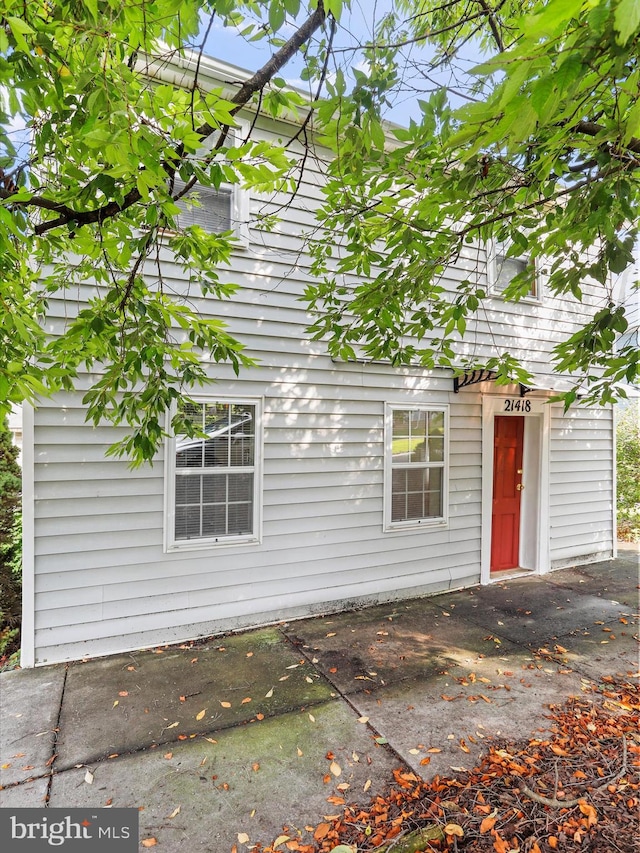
x=628 y=470
x=10 y=546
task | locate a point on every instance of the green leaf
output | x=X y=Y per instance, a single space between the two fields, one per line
x=626 y=20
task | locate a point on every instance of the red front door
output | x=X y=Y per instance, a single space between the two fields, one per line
x=507 y=485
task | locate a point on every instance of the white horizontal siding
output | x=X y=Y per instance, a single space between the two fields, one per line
x=582 y=490
x=322 y=537
x=103 y=582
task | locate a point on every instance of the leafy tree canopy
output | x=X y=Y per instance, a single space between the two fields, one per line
x=538 y=146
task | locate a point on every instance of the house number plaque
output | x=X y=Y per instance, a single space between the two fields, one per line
x=517 y=404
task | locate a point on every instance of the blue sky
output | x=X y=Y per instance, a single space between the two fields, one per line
x=357 y=25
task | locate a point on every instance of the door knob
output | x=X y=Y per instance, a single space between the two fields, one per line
x=519 y=487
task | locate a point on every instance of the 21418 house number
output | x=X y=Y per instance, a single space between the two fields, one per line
x=517 y=405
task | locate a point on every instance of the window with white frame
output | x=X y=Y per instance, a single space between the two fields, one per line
x=214 y=481
x=416 y=465
x=505 y=265
x=215 y=210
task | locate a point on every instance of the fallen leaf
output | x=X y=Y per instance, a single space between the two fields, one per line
x=335 y=768
x=269 y=694
x=363 y=719
x=366 y=785
x=255 y=766
x=88 y=777
x=168 y=756
x=211 y=740
x=425 y=761
x=487 y=824
x=454 y=829
x=173 y=725
x=174 y=813
x=226 y=704
x=246 y=700
x=322 y=829
x=312 y=718
x=201 y=714
x=123 y=693
x=115 y=703
x=300 y=752
x=149 y=842
x=243 y=838
x=281 y=840
x=434 y=749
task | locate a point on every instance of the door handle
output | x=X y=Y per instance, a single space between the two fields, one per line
x=519 y=487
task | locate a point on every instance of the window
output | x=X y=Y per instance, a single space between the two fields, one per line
x=213 y=211
x=216 y=210
x=416 y=466
x=213 y=490
x=504 y=267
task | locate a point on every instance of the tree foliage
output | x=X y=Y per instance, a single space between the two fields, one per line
x=628 y=472
x=539 y=145
x=10 y=546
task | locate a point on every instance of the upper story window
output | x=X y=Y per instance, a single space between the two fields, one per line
x=213 y=483
x=416 y=466
x=504 y=266
x=215 y=210
x=211 y=209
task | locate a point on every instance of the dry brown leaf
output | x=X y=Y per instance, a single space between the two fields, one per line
x=149 y=842
x=487 y=824
x=335 y=768
x=226 y=704
x=322 y=829
x=201 y=714
x=243 y=838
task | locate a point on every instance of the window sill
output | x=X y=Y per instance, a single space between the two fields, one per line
x=417 y=526
x=211 y=544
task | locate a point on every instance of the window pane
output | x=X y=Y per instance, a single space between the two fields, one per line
x=508 y=268
x=187 y=522
x=188 y=489
x=214 y=520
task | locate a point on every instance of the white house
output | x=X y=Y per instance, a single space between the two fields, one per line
x=322 y=485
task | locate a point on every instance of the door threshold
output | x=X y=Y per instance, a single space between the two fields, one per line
x=508 y=574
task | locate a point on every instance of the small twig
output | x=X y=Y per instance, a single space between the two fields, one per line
x=555 y=803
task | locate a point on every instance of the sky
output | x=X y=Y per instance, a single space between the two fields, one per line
x=356 y=26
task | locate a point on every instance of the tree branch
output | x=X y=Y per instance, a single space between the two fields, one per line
x=242 y=97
